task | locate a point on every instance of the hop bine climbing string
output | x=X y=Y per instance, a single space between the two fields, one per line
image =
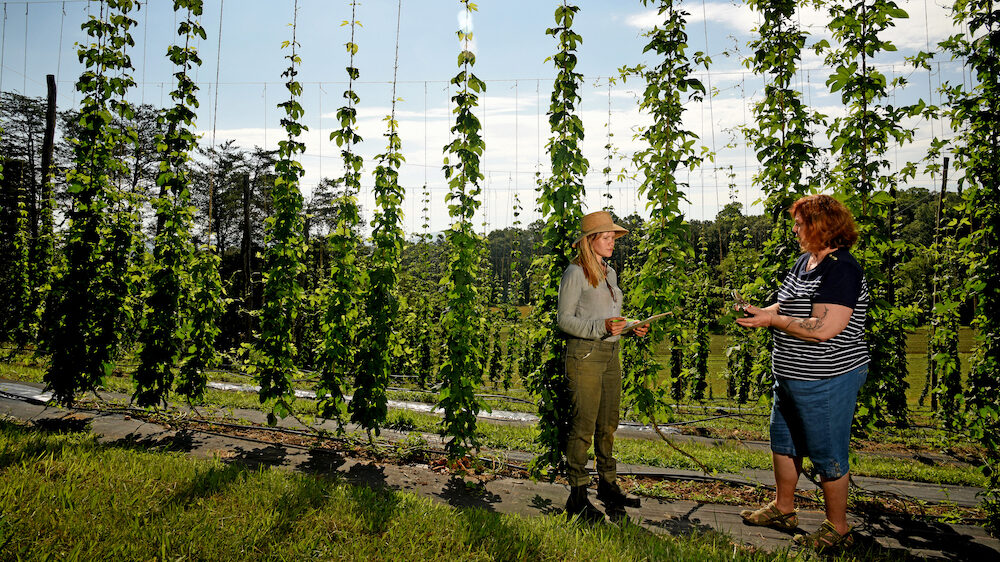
x=378 y=340
x=343 y=294
x=274 y=353
x=462 y=371
x=560 y=202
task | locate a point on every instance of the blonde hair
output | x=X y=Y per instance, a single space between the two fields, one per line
x=587 y=259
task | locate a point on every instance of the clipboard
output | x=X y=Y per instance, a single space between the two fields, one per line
x=633 y=324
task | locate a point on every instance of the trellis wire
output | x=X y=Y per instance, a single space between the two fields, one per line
x=24 y=66
x=3 y=45
x=215 y=118
x=145 y=37
x=62 y=20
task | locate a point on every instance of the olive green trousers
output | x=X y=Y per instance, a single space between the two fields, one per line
x=594 y=375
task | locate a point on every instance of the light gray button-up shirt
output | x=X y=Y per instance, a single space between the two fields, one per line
x=583 y=307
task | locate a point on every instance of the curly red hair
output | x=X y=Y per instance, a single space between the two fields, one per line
x=827 y=223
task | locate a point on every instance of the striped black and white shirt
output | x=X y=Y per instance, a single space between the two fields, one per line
x=838 y=279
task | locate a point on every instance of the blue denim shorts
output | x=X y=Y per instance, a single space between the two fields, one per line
x=813 y=419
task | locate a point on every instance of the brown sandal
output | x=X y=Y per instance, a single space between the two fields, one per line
x=825 y=537
x=771 y=516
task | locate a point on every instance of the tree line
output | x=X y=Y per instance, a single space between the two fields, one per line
x=239 y=181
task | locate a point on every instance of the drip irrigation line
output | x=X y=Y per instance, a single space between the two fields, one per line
x=498 y=397
x=677 y=409
x=700 y=420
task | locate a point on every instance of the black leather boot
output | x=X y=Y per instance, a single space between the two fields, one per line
x=611 y=495
x=579 y=504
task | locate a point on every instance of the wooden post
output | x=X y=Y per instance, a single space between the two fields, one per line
x=48 y=146
x=246 y=249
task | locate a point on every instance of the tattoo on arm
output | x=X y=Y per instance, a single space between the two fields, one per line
x=810 y=324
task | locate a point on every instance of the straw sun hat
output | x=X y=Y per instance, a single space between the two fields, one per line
x=599 y=221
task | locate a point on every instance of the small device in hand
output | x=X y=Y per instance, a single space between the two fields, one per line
x=740 y=303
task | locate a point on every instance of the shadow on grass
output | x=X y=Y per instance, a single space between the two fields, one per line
x=505 y=538
x=21 y=442
x=208 y=481
x=286 y=514
x=375 y=505
x=501 y=539
x=459 y=493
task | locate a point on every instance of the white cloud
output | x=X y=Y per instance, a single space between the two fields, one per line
x=739 y=18
x=929 y=22
x=645 y=20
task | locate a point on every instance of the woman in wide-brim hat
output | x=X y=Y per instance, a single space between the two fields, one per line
x=590 y=305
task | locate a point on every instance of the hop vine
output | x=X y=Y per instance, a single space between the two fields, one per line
x=275 y=353
x=88 y=309
x=341 y=315
x=164 y=330
x=462 y=371
x=860 y=140
x=379 y=341
x=669 y=149
x=791 y=161
x=560 y=201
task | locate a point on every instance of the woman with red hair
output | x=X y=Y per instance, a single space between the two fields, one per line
x=820 y=360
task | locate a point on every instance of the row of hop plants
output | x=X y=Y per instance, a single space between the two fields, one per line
x=493 y=368
x=104 y=286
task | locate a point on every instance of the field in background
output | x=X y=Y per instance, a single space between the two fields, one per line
x=916 y=353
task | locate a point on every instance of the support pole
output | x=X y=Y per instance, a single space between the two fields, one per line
x=48 y=146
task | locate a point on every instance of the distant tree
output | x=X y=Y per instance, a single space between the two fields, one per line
x=22 y=120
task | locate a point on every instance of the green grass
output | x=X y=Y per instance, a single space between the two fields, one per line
x=65 y=497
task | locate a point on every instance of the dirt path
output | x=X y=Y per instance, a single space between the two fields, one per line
x=258 y=447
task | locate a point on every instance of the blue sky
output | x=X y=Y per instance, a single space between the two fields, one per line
x=511 y=47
